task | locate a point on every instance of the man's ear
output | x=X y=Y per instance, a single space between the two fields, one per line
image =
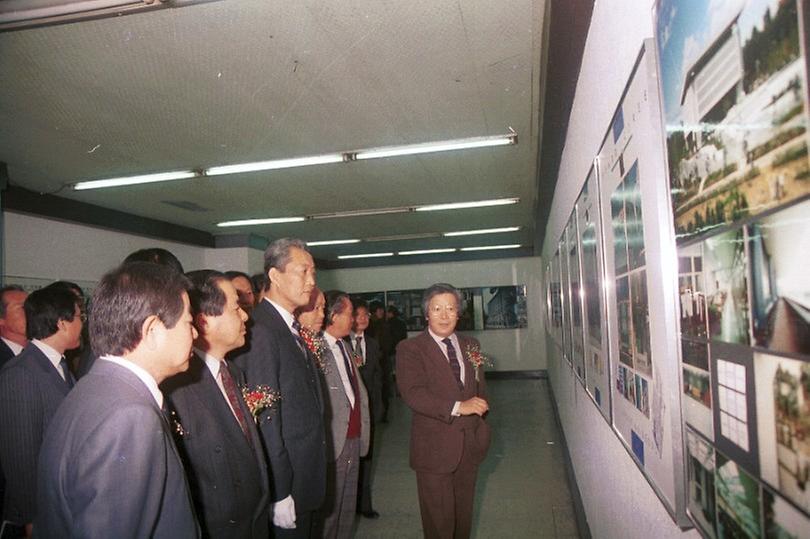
x=149 y=331
x=200 y=323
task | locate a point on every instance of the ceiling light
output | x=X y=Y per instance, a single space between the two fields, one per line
x=134 y=180
x=465 y=205
x=399 y=237
x=330 y=242
x=276 y=164
x=440 y=146
x=269 y=221
x=426 y=251
x=360 y=213
x=482 y=231
x=366 y=255
x=491 y=247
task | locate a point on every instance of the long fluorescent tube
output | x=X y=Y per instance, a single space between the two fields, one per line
x=331 y=242
x=268 y=221
x=360 y=213
x=465 y=205
x=491 y=247
x=482 y=231
x=440 y=146
x=134 y=180
x=276 y=164
x=426 y=251
x=366 y=255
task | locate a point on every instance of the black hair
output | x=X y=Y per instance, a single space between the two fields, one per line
x=156 y=255
x=44 y=308
x=206 y=296
x=334 y=304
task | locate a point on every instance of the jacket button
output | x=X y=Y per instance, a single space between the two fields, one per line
x=218 y=449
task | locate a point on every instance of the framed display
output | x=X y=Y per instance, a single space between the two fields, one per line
x=565 y=284
x=733 y=82
x=597 y=373
x=575 y=295
x=556 y=301
x=646 y=387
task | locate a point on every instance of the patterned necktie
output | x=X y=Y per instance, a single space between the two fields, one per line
x=69 y=380
x=233 y=399
x=297 y=334
x=348 y=364
x=453 y=360
x=358 y=348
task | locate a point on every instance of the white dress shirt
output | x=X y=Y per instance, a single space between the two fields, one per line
x=15 y=348
x=214 y=365
x=53 y=356
x=362 y=350
x=331 y=342
x=144 y=376
x=285 y=314
x=459 y=357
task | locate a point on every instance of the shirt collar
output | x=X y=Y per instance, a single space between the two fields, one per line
x=330 y=340
x=15 y=348
x=355 y=335
x=438 y=339
x=211 y=362
x=53 y=356
x=141 y=373
x=285 y=314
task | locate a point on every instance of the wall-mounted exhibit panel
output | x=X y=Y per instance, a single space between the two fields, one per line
x=575 y=296
x=734 y=91
x=638 y=257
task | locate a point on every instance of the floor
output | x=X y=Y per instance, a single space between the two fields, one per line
x=522 y=489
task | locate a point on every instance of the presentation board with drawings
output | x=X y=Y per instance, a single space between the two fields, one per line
x=735 y=95
x=639 y=273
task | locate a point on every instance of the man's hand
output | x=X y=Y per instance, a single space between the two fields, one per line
x=284 y=513
x=475 y=405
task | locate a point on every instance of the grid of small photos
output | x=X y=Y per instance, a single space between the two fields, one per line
x=740 y=182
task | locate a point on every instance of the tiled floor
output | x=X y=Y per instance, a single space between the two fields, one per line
x=522 y=489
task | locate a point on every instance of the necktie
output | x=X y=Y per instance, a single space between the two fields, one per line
x=358 y=348
x=66 y=372
x=348 y=363
x=297 y=334
x=453 y=360
x=233 y=399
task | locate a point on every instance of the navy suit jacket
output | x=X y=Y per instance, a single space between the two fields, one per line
x=31 y=390
x=227 y=473
x=293 y=433
x=372 y=375
x=109 y=466
x=6 y=353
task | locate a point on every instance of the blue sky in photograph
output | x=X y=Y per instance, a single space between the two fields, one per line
x=685 y=28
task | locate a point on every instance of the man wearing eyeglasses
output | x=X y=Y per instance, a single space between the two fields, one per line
x=449 y=437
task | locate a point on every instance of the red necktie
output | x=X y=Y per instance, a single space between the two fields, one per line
x=233 y=399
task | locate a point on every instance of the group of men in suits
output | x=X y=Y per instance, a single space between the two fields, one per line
x=157 y=439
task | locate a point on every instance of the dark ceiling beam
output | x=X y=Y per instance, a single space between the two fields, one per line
x=24 y=201
x=568 y=30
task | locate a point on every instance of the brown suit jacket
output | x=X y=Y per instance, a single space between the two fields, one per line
x=428 y=387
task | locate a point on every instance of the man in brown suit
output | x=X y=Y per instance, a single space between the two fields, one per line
x=449 y=437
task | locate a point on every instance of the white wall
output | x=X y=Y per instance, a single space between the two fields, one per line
x=618 y=500
x=36 y=247
x=511 y=349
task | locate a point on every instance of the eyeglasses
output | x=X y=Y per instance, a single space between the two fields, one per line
x=437 y=309
x=83 y=317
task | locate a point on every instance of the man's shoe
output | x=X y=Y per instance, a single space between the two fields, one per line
x=370 y=514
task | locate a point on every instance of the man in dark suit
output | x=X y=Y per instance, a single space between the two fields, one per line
x=215 y=430
x=12 y=322
x=347 y=416
x=449 y=437
x=293 y=433
x=109 y=466
x=366 y=348
x=32 y=386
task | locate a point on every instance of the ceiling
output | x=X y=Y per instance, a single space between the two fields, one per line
x=236 y=81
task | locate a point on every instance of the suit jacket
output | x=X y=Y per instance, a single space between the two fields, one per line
x=293 y=433
x=372 y=375
x=227 y=474
x=6 y=353
x=31 y=390
x=109 y=466
x=338 y=408
x=429 y=388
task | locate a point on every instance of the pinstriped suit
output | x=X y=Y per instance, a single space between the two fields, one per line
x=30 y=392
x=227 y=474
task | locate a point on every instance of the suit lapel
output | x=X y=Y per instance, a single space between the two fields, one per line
x=44 y=364
x=436 y=355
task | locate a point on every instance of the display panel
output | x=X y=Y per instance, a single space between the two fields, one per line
x=575 y=295
x=646 y=378
x=734 y=87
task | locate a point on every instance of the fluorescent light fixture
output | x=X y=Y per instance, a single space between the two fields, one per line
x=426 y=251
x=398 y=237
x=134 y=180
x=482 y=231
x=276 y=164
x=268 y=221
x=491 y=247
x=330 y=242
x=360 y=213
x=465 y=205
x=440 y=146
x=366 y=255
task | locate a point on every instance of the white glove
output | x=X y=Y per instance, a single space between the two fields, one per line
x=284 y=513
